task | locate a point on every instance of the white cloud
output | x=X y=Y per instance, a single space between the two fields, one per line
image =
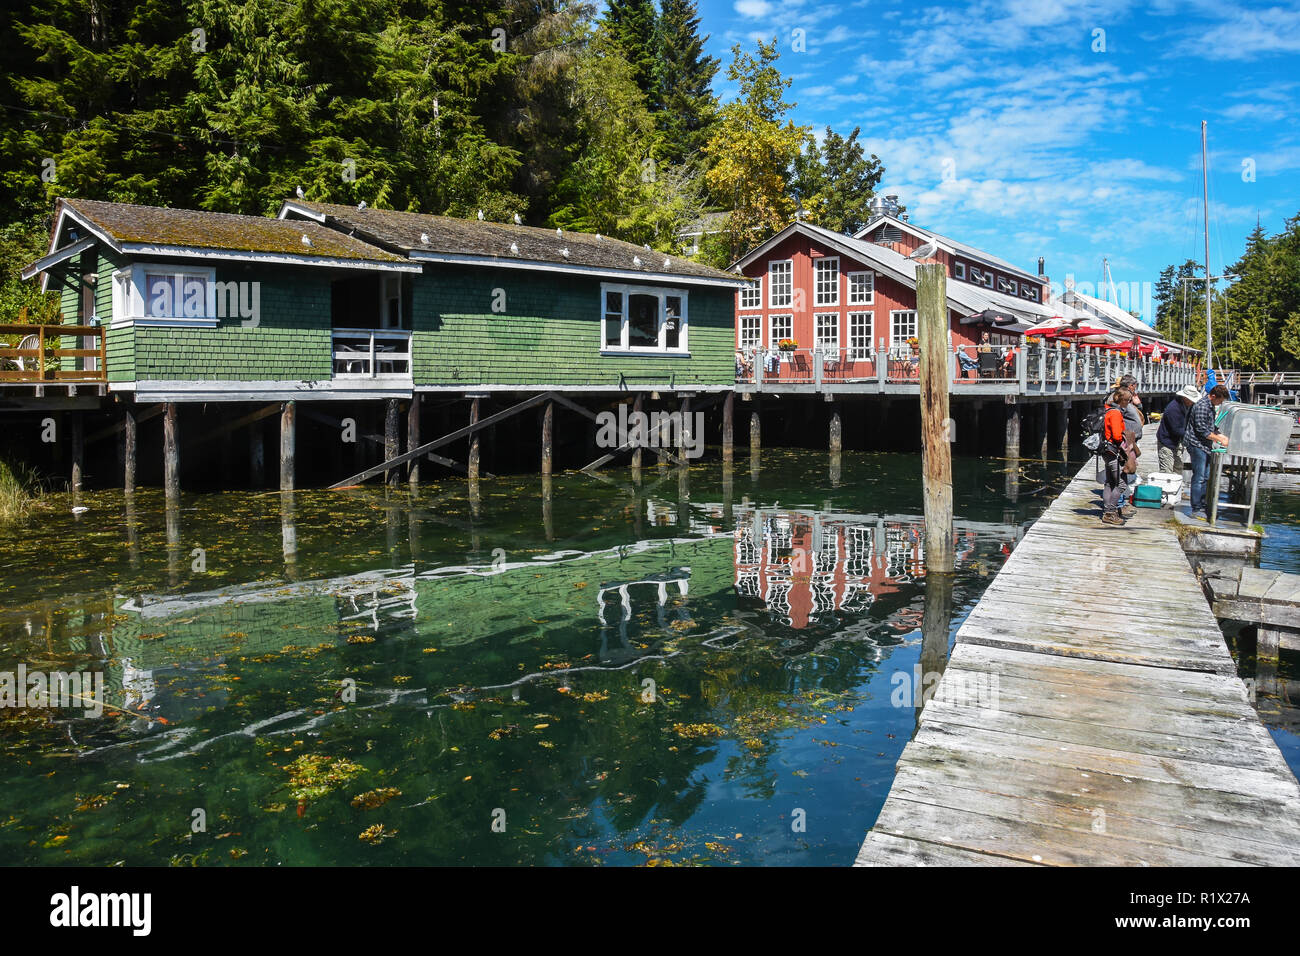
x=754 y=9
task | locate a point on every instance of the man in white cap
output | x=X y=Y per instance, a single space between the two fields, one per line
x=1172 y=425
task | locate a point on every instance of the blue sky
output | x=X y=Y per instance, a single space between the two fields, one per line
x=1057 y=140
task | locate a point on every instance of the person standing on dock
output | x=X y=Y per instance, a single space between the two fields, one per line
x=1114 y=453
x=1200 y=437
x=1133 y=419
x=1173 y=423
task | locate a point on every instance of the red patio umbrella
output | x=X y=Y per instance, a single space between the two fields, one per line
x=1084 y=330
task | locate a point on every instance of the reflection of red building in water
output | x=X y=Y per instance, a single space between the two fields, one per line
x=802 y=565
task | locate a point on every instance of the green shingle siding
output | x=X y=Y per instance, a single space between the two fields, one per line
x=550 y=333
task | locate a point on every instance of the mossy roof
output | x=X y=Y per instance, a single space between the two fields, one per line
x=195 y=229
x=421 y=232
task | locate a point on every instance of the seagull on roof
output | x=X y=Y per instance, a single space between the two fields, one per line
x=480 y=215
x=361 y=205
x=518 y=221
x=300 y=193
x=514 y=247
x=636 y=260
x=424 y=238
x=925 y=250
x=306 y=240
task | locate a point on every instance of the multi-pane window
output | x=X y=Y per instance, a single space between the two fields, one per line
x=862 y=288
x=175 y=295
x=826 y=281
x=782 y=328
x=643 y=318
x=902 y=326
x=828 y=331
x=780 y=283
x=751 y=331
x=613 y=319
x=751 y=296
x=860 y=335
x=959 y=270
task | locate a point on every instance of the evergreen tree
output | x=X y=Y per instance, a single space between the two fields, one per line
x=688 y=107
x=633 y=26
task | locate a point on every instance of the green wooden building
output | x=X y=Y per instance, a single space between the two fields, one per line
x=327 y=303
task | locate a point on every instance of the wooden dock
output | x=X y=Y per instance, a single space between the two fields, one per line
x=1119 y=733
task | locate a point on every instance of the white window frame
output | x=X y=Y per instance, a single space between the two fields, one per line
x=855 y=353
x=772 y=338
x=895 y=345
x=1015 y=287
x=959 y=270
x=661 y=293
x=1033 y=292
x=976 y=276
x=821 y=266
x=755 y=288
x=871 y=290
x=818 y=341
x=772 y=284
x=750 y=331
x=130 y=296
x=988 y=279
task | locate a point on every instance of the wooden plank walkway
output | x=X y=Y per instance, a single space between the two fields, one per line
x=1119 y=733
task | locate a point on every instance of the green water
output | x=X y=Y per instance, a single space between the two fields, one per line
x=694 y=669
x=1278 y=685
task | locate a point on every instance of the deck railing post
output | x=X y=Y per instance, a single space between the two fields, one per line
x=1022 y=372
x=760 y=360
x=882 y=367
x=818 y=358
x=372 y=354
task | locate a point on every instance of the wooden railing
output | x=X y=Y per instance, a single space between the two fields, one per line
x=1039 y=369
x=36 y=355
x=372 y=353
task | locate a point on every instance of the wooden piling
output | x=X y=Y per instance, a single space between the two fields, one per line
x=548 y=436
x=413 y=441
x=1043 y=412
x=392 y=437
x=637 y=404
x=288 y=441
x=171 y=454
x=78 y=435
x=129 y=442
x=686 y=432
x=256 y=455
x=728 y=420
x=1012 y=447
x=471 y=465
x=936 y=451
x=1062 y=410
x=755 y=431
x=836 y=437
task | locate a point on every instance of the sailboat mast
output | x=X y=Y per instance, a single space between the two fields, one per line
x=1205 y=187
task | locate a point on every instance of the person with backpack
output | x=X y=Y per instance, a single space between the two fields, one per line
x=1133 y=420
x=1115 y=450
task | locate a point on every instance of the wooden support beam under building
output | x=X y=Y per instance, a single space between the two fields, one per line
x=444 y=440
x=413 y=440
x=130 y=439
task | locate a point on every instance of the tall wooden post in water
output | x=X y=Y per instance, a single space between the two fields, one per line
x=78 y=450
x=471 y=466
x=392 y=437
x=171 y=454
x=288 y=444
x=129 y=439
x=412 y=443
x=936 y=452
x=548 y=437
x=728 y=419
